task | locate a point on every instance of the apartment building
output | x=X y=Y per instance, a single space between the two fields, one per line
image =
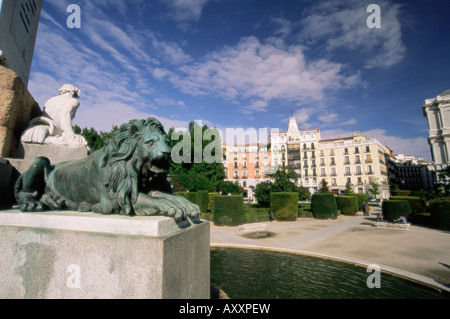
x=353 y=160
x=247 y=164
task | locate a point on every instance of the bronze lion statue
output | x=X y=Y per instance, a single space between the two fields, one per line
x=128 y=176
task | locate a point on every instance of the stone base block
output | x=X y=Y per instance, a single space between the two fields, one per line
x=55 y=153
x=70 y=255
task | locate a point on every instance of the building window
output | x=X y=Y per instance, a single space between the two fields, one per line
x=367 y=149
x=346 y=160
x=346 y=151
x=369 y=169
x=357 y=159
x=333 y=181
x=322 y=162
x=333 y=171
x=356 y=150
x=332 y=161
x=358 y=170
x=322 y=172
x=347 y=170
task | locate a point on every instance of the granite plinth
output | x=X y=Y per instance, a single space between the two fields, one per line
x=71 y=255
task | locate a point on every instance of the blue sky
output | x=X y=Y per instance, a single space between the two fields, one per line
x=250 y=64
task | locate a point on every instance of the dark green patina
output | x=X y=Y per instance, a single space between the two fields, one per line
x=127 y=176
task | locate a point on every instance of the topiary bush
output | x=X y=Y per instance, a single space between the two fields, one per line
x=323 y=206
x=348 y=205
x=418 y=205
x=262 y=193
x=284 y=206
x=202 y=200
x=393 y=209
x=439 y=209
x=361 y=198
x=228 y=210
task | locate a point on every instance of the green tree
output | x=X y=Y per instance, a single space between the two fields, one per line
x=348 y=188
x=324 y=186
x=374 y=189
x=94 y=139
x=304 y=193
x=285 y=180
x=198 y=151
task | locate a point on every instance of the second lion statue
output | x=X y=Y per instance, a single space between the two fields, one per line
x=127 y=176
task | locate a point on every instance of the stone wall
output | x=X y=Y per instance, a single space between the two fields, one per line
x=17 y=108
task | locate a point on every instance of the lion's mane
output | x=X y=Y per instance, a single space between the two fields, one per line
x=128 y=169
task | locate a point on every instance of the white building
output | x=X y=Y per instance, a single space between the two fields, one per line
x=352 y=160
x=437 y=111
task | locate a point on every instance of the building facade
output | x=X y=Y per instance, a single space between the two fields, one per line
x=437 y=112
x=353 y=161
x=411 y=173
x=247 y=164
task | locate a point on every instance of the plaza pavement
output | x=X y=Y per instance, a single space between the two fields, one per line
x=419 y=253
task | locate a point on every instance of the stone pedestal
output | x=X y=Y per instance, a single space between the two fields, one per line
x=17 y=108
x=55 y=153
x=70 y=255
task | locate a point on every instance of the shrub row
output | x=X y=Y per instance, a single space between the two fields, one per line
x=439 y=209
x=393 y=209
x=418 y=205
x=362 y=198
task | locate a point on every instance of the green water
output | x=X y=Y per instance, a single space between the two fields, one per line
x=258 y=274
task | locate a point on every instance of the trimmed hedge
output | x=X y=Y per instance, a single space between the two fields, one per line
x=323 y=206
x=202 y=200
x=348 y=205
x=393 y=209
x=439 y=209
x=228 y=210
x=211 y=201
x=418 y=204
x=361 y=198
x=284 y=206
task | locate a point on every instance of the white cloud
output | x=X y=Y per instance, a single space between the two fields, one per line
x=186 y=10
x=262 y=72
x=342 y=24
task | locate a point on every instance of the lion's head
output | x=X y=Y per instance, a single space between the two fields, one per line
x=136 y=152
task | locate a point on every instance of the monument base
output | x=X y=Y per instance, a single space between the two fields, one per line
x=55 y=153
x=71 y=255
